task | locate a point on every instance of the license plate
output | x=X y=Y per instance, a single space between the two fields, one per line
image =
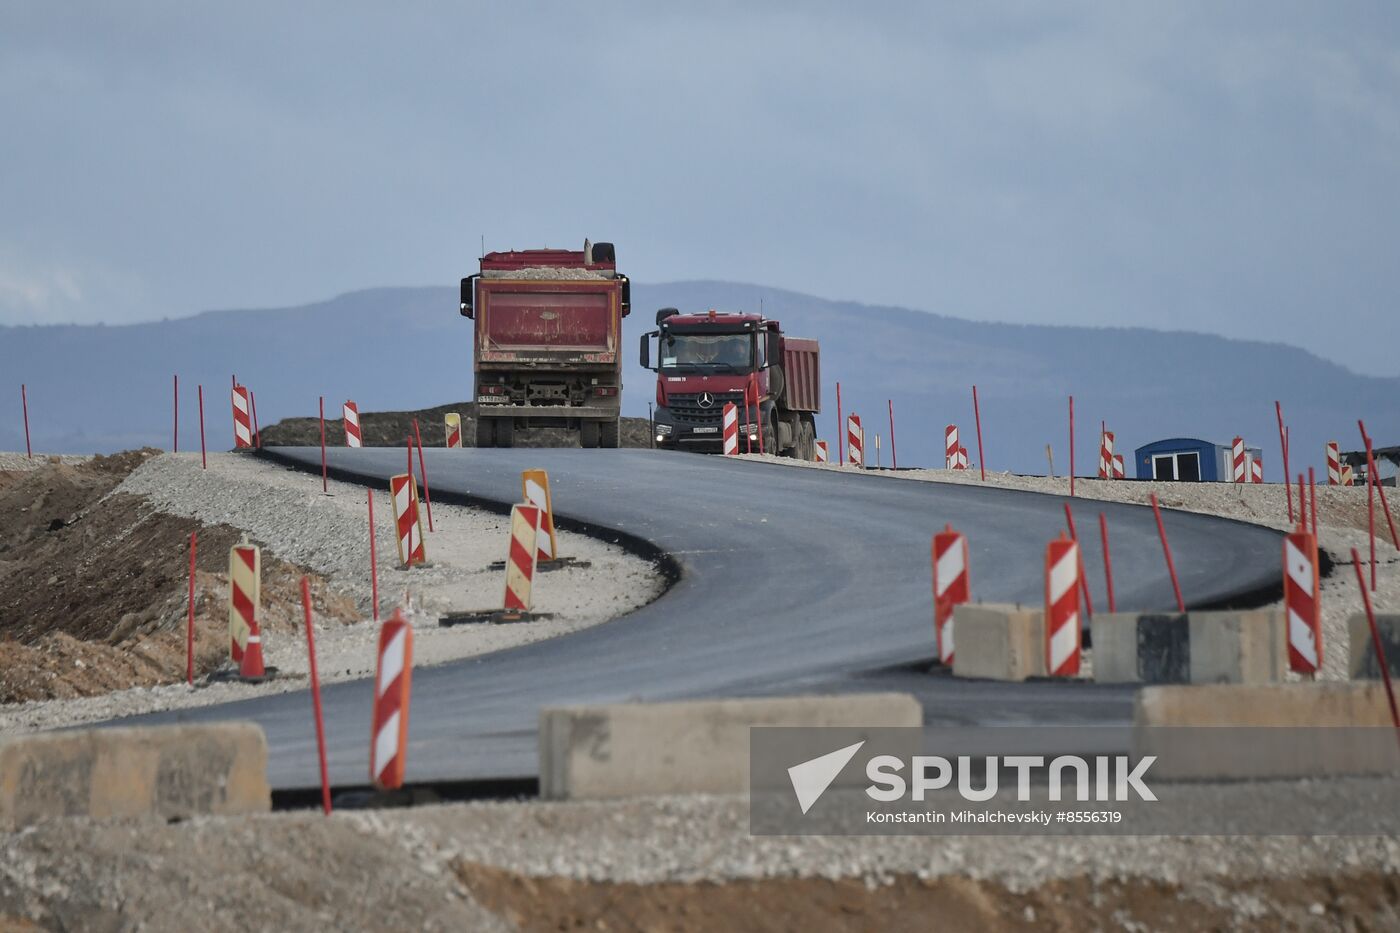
x=705 y=430
x=489 y=399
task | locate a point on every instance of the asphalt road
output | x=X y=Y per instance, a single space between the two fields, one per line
x=791 y=581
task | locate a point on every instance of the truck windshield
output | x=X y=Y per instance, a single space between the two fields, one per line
x=718 y=352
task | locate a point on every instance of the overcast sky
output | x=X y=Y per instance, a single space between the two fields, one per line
x=1225 y=167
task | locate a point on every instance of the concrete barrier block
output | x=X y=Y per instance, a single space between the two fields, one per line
x=693 y=747
x=999 y=642
x=1247 y=731
x=1361 y=664
x=1197 y=647
x=166 y=772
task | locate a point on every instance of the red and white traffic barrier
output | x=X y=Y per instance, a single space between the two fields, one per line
x=1239 y=472
x=950 y=447
x=244 y=596
x=822 y=455
x=388 y=750
x=1118 y=470
x=522 y=557
x=1348 y=479
x=1106 y=466
x=1334 y=464
x=535 y=488
x=408 y=524
x=1062 y=637
x=950 y=587
x=452 y=427
x=242 y=420
x=1256 y=469
x=855 y=441
x=731 y=429
x=962 y=461
x=1302 y=596
x=351 y=413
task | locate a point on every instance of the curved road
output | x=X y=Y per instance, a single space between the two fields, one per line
x=792 y=581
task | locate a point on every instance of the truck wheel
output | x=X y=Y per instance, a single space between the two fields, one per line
x=809 y=439
x=770 y=437
x=588 y=434
x=485 y=432
x=777 y=382
x=609 y=432
x=505 y=432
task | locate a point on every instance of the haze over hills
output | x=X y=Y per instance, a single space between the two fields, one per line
x=99 y=388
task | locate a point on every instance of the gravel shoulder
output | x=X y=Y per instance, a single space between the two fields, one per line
x=286 y=512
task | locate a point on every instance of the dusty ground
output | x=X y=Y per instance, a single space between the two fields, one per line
x=391 y=428
x=102 y=635
x=1341 y=519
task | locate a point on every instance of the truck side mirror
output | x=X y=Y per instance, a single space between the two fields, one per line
x=775 y=348
x=646 y=350
x=468 y=287
x=626 y=296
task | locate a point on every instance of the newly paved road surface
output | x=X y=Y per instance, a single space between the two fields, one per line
x=792 y=581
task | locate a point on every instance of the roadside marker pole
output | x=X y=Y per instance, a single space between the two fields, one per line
x=350 y=414
x=175 y=441
x=1062 y=636
x=1107 y=466
x=977 y=414
x=373 y=560
x=203 y=454
x=1167 y=550
x=1376 y=642
x=1119 y=472
x=452 y=426
x=855 y=440
x=257 y=432
x=1372 y=468
x=1071 y=446
x=534 y=487
x=1283 y=444
x=393 y=675
x=1347 y=479
x=879 y=464
x=24 y=400
x=242 y=424
x=894 y=458
x=823 y=455
x=1334 y=464
x=950 y=447
x=1239 y=463
x=1303 y=601
x=189 y=620
x=731 y=430
x=423 y=469
x=316 y=697
x=403 y=492
x=1107 y=563
x=522 y=557
x=950 y=587
x=244 y=596
x=1256 y=469
x=1083 y=578
x=324 y=484
x=840 y=428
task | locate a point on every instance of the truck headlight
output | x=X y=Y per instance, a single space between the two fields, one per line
x=662 y=430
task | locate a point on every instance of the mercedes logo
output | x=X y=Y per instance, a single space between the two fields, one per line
x=706 y=400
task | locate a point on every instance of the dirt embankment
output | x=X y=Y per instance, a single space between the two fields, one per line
x=95 y=584
x=391 y=428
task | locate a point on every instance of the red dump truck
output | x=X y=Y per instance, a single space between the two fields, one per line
x=705 y=360
x=548 y=330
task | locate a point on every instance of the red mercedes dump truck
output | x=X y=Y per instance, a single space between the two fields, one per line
x=706 y=360
x=548 y=330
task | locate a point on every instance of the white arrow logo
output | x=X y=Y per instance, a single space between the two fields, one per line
x=811 y=778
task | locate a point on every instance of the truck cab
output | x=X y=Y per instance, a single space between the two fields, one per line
x=706 y=360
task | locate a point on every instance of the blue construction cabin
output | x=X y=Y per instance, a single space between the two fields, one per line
x=1187 y=460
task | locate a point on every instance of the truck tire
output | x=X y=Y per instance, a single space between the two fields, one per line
x=777 y=382
x=485 y=432
x=809 y=439
x=588 y=434
x=609 y=433
x=505 y=432
x=770 y=434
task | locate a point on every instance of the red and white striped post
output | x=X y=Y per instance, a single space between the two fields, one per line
x=393 y=676
x=1256 y=469
x=962 y=458
x=1303 y=599
x=823 y=455
x=1334 y=464
x=244 y=596
x=731 y=429
x=452 y=428
x=242 y=420
x=855 y=440
x=535 y=491
x=403 y=491
x=1062 y=636
x=950 y=587
x=522 y=557
x=1118 y=471
x=1106 y=464
x=350 y=412
x=950 y=447
x=1239 y=466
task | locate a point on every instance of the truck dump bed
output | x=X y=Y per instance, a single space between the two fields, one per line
x=554 y=321
x=802 y=369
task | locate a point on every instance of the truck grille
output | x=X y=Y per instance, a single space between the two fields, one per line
x=686 y=408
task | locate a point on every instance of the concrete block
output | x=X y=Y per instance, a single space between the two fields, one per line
x=1265 y=731
x=165 y=772
x=1362 y=662
x=1198 y=647
x=693 y=747
x=999 y=642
